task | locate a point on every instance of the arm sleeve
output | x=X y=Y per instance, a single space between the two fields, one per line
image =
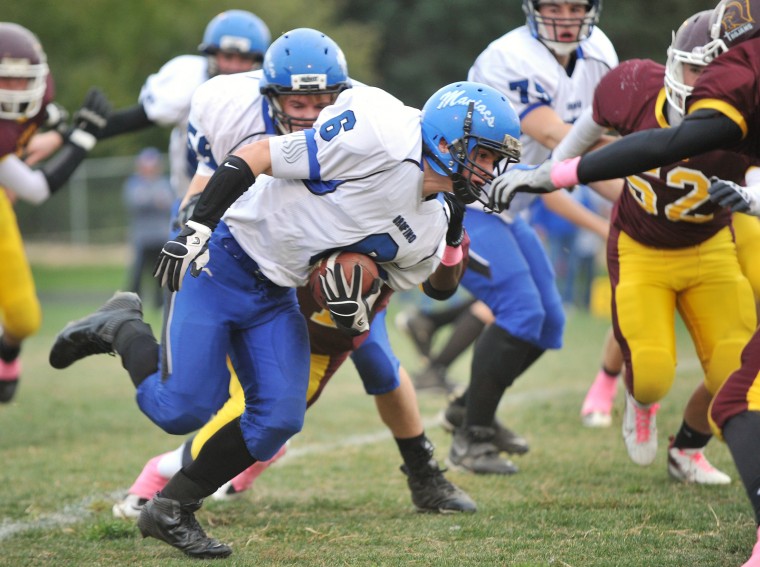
x=700 y=132
x=126 y=120
x=230 y=181
x=584 y=133
x=28 y=184
x=59 y=168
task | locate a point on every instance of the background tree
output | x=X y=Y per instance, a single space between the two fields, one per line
x=427 y=43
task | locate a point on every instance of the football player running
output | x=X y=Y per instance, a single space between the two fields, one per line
x=548 y=69
x=721 y=113
x=360 y=179
x=26 y=104
x=226 y=113
x=671 y=247
x=233 y=41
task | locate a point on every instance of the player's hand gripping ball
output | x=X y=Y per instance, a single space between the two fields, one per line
x=347 y=284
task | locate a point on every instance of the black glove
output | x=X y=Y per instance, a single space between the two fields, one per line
x=348 y=309
x=90 y=120
x=455 y=233
x=735 y=197
x=188 y=250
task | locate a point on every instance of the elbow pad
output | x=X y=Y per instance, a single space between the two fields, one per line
x=232 y=178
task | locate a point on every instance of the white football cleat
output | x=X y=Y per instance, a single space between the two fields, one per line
x=691 y=466
x=640 y=430
x=129 y=508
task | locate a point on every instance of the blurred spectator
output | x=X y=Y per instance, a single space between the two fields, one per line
x=148 y=196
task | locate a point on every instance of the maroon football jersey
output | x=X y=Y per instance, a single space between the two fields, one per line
x=324 y=337
x=15 y=134
x=731 y=85
x=667 y=207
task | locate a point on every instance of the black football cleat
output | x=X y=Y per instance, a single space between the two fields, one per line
x=505 y=439
x=473 y=450
x=175 y=524
x=94 y=334
x=432 y=492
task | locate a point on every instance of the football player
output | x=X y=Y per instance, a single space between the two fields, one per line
x=233 y=41
x=26 y=104
x=548 y=69
x=721 y=113
x=671 y=247
x=363 y=178
x=227 y=112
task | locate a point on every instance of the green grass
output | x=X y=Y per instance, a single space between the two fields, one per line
x=73 y=439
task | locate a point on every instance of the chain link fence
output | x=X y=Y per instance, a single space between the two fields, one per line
x=89 y=210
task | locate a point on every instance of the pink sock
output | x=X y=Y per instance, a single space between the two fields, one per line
x=150 y=480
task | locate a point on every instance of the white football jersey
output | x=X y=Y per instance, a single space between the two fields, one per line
x=528 y=74
x=226 y=112
x=352 y=182
x=166 y=96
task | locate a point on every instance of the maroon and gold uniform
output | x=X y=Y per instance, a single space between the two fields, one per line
x=731 y=85
x=19 y=306
x=671 y=247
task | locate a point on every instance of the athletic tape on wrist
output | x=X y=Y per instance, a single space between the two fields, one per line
x=565 y=173
x=452 y=255
x=83 y=139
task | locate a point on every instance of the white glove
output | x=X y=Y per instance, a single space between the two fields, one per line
x=188 y=250
x=349 y=310
x=520 y=179
x=735 y=197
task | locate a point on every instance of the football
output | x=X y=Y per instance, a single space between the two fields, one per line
x=347 y=261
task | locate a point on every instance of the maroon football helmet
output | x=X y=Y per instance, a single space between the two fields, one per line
x=23 y=72
x=691 y=45
x=735 y=21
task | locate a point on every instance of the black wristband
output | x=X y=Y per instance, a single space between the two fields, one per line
x=437 y=294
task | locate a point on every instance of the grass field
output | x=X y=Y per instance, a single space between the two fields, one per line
x=73 y=441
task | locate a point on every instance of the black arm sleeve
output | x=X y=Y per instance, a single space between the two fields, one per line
x=703 y=131
x=232 y=178
x=59 y=168
x=126 y=120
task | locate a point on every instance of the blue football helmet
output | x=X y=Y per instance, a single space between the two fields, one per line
x=540 y=26
x=236 y=31
x=301 y=61
x=466 y=115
